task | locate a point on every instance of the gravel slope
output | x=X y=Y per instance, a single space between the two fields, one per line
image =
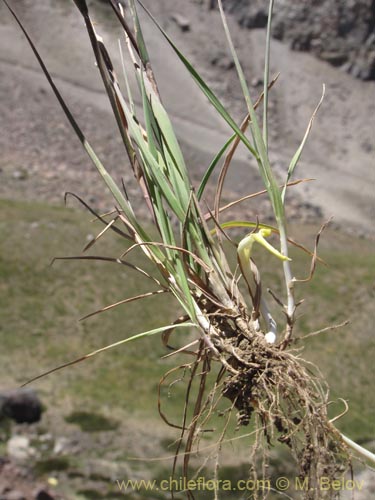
x=47 y=159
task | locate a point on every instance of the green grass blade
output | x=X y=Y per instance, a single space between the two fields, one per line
x=262 y=156
x=204 y=87
x=219 y=155
x=154 y=169
x=148 y=119
x=267 y=76
x=126 y=79
x=169 y=136
x=139 y=36
x=298 y=153
x=212 y=166
x=149 y=333
x=171 y=155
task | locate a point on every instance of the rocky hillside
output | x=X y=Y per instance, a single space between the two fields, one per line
x=48 y=159
x=341 y=32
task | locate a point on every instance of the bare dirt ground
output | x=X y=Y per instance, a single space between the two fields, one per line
x=41 y=159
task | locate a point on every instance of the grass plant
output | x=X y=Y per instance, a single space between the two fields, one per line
x=237 y=359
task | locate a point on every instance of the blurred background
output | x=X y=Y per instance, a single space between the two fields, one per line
x=75 y=432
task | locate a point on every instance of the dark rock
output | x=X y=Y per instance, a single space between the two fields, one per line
x=334 y=58
x=341 y=32
x=21 y=405
x=249 y=13
x=257 y=18
x=368 y=73
x=44 y=495
x=278 y=31
x=301 y=42
x=355 y=70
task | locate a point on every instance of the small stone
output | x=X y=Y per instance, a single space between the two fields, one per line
x=334 y=58
x=18 y=448
x=255 y=18
x=182 y=22
x=222 y=61
x=15 y=495
x=367 y=146
x=44 y=495
x=61 y=445
x=21 y=405
x=20 y=175
x=256 y=82
x=355 y=70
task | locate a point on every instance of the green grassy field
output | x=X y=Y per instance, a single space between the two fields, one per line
x=41 y=305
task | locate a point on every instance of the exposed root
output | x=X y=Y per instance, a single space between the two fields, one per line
x=292 y=406
x=275 y=391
